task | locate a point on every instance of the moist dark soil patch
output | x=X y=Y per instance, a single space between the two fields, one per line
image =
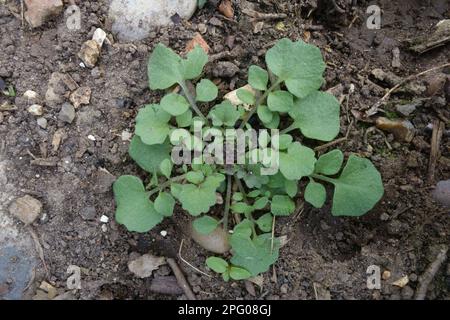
x=332 y=253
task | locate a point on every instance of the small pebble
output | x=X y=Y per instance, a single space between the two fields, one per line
x=91 y=137
x=104 y=219
x=36 y=110
x=42 y=122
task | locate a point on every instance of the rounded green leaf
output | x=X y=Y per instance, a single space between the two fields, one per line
x=297 y=162
x=164 y=68
x=330 y=163
x=237 y=273
x=164 y=204
x=264 y=114
x=197 y=199
x=241 y=207
x=195 y=177
x=282 y=205
x=185 y=119
x=299 y=64
x=317 y=116
x=274 y=123
x=254 y=254
x=284 y=141
x=291 y=187
x=148 y=157
x=315 y=194
x=226 y=276
x=166 y=167
x=216 y=264
x=265 y=222
x=205 y=224
x=174 y=104
x=224 y=114
x=280 y=101
x=358 y=188
x=258 y=77
x=260 y=203
x=246 y=96
x=152 y=124
x=133 y=208
x=192 y=66
x=206 y=91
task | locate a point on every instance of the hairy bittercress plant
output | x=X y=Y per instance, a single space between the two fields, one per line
x=290 y=90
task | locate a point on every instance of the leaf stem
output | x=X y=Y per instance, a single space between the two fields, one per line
x=258 y=102
x=191 y=100
x=166 y=184
x=323 y=178
x=292 y=127
x=248 y=215
x=227 y=204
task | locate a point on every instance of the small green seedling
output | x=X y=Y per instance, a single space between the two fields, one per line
x=9 y=92
x=287 y=90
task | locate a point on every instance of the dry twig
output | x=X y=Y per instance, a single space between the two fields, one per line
x=438 y=129
x=182 y=282
x=374 y=109
x=429 y=273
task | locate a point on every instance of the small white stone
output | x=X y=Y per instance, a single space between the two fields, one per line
x=91 y=137
x=126 y=135
x=104 y=228
x=37 y=176
x=82 y=65
x=30 y=95
x=104 y=219
x=99 y=36
x=36 y=110
x=163 y=233
x=42 y=122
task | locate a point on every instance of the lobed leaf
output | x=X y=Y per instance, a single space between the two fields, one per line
x=297 y=162
x=298 y=64
x=152 y=124
x=148 y=157
x=133 y=208
x=358 y=188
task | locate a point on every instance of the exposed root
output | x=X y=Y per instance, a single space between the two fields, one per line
x=430 y=272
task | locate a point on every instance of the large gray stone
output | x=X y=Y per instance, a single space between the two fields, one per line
x=134 y=19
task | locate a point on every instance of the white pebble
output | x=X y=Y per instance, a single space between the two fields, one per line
x=104 y=228
x=99 y=36
x=36 y=110
x=91 y=137
x=126 y=135
x=30 y=94
x=163 y=233
x=104 y=219
x=82 y=65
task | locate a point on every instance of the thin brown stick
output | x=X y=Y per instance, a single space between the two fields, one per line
x=263 y=16
x=430 y=272
x=438 y=129
x=182 y=282
x=406 y=80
